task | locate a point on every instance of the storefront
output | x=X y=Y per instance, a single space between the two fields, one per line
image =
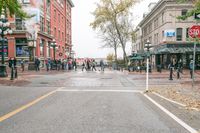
x=165 y=53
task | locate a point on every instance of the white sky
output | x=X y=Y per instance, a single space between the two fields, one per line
x=84 y=40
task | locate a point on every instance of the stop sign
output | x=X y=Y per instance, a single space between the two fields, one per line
x=194 y=31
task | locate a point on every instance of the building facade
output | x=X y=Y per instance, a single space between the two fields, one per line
x=168 y=35
x=52 y=20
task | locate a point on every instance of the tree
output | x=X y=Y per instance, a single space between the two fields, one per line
x=110 y=39
x=110 y=58
x=13 y=7
x=190 y=13
x=111 y=12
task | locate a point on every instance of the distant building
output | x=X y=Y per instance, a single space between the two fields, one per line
x=167 y=34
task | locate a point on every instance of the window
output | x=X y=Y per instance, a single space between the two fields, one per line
x=184 y=12
x=21 y=47
x=187 y=35
x=55 y=14
x=41 y=24
x=62 y=36
x=59 y=18
x=48 y=27
x=58 y=35
x=42 y=48
x=55 y=32
x=179 y=32
x=163 y=17
x=155 y=23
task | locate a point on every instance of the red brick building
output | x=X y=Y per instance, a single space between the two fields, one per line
x=52 y=21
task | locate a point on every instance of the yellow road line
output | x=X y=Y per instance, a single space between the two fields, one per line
x=4 y=117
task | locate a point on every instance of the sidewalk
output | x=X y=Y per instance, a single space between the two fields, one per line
x=25 y=77
x=179 y=90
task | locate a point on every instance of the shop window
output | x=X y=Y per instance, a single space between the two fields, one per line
x=179 y=32
x=22 y=51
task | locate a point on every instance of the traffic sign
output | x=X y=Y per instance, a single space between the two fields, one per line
x=197 y=16
x=194 y=31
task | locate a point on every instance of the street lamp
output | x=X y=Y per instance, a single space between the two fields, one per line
x=147 y=46
x=4 y=30
x=54 y=45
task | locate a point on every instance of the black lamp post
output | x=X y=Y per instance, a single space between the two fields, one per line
x=4 y=30
x=147 y=46
x=54 y=45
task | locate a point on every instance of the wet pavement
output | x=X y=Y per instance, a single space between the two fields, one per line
x=88 y=102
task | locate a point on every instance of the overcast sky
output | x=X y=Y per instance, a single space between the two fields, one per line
x=84 y=40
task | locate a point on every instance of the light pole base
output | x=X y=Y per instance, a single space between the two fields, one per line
x=3 y=72
x=31 y=66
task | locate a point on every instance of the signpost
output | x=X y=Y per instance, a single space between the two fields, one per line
x=194 y=32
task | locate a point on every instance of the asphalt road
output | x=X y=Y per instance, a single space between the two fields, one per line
x=85 y=102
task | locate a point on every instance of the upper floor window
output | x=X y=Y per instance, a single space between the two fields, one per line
x=187 y=34
x=55 y=14
x=184 y=12
x=155 y=23
x=163 y=14
x=179 y=34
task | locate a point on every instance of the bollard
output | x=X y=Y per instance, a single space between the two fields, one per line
x=16 y=75
x=171 y=72
x=12 y=74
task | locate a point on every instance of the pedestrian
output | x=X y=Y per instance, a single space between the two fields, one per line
x=37 y=64
x=47 y=62
x=191 y=66
x=88 y=64
x=93 y=65
x=102 y=65
x=22 y=65
x=84 y=66
x=74 y=63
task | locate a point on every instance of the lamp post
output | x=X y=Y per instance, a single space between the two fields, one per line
x=147 y=46
x=4 y=30
x=54 y=45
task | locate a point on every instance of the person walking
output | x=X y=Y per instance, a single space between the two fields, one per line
x=22 y=65
x=93 y=65
x=37 y=64
x=84 y=66
x=102 y=65
x=191 y=66
x=74 y=65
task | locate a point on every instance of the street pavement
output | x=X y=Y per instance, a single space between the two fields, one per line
x=87 y=102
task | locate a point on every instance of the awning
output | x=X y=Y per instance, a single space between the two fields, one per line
x=179 y=50
x=137 y=58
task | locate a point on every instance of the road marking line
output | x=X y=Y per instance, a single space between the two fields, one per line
x=132 y=91
x=172 y=101
x=182 y=123
x=4 y=117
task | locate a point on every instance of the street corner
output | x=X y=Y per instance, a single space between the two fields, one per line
x=22 y=81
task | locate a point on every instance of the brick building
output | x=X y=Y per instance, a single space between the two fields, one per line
x=52 y=20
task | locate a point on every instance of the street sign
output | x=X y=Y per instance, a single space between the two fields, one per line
x=197 y=16
x=194 y=31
